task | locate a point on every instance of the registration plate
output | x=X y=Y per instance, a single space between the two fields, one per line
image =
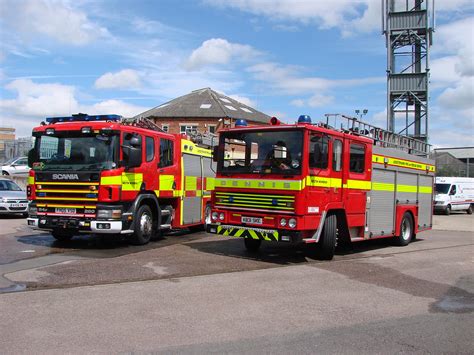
x=17 y=204
x=65 y=210
x=253 y=220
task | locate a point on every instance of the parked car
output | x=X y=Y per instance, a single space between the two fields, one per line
x=16 y=167
x=12 y=198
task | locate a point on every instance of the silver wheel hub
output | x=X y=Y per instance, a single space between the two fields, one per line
x=146 y=224
x=406 y=229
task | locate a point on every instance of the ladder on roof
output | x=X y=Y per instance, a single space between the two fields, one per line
x=206 y=139
x=382 y=137
x=141 y=122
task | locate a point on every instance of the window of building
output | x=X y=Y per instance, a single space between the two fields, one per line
x=165 y=127
x=318 y=152
x=337 y=155
x=188 y=128
x=150 y=148
x=211 y=128
x=357 y=158
x=166 y=152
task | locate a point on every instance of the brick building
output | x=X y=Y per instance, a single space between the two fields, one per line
x=203 y=110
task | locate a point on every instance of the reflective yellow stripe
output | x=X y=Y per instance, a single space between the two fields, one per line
x=166 y=182
x=67 y=183
x=131 y=181
x=189 y=147
x=382 y=186
x=261 y=184
x=358 y=185
x=380 y=159
x=407 y=188
x=257 y=206
x=425 y=189
x=111 y=180
x=323 y=181
x=210 y=183
x=31 y=180
x=190 y=183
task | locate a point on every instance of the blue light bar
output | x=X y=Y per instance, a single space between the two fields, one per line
x=83 y=117
x=304 y=119
x=241 y=123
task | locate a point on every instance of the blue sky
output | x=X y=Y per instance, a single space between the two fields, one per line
x=283 y=57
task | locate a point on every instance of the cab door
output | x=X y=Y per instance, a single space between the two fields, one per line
x=337 y=146
x=356 y=180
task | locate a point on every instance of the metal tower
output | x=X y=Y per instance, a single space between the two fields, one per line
x=408 y=26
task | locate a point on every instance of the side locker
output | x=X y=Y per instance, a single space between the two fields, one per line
x=425 y=199
x=192 y=201
x=382 y=202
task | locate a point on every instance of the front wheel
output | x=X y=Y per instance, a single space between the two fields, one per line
x=447 y=211
x=252 y=245
x=406 y=230
x=144 y=226
x=328 y=242
x=469 y=210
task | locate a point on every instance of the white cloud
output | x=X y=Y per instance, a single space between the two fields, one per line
x=460 y=97
x=319 y=100
x=244 y=100
x=53 y=18
x=219 y=51
x=124 y=79
x=298 y=102
x=33 y=102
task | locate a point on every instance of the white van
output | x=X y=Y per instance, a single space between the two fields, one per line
x=454 y=194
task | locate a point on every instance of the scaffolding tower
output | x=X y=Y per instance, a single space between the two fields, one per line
x=408 y=27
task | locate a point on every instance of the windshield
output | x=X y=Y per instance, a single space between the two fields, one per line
x=267 y=152
x=442 y=188
x=76 y=151
x=6 y=185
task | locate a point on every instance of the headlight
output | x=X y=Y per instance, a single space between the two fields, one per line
x=283 y=222
x=292 y=223
x=221 y=216
x=214 y=216
x=109 y=214
x=3 y=200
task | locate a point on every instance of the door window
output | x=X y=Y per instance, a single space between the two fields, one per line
x=337 y=155
x=357 y=158
x=318 y=152
x=150 y=148
x=166 y=153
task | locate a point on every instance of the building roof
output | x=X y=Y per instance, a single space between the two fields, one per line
x=459 y=153
x=205 y=103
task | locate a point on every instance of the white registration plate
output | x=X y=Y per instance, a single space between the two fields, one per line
x=17 y=204
x=65 y=210
x=253 y=220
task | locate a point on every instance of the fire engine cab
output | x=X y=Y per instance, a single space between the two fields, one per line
x=309 y=183
x=107 y=175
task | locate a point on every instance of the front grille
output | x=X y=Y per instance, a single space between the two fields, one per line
x=58 y=191
x=249 y=201
x=76 y=199
x=17 y=208
x=16 y=201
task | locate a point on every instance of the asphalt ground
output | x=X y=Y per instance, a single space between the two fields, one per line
x=197 y=293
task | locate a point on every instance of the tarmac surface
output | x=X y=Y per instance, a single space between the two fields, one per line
x=197 y=293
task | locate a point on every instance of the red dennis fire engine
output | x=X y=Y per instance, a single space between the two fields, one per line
x=316 y=184
x=103 y=174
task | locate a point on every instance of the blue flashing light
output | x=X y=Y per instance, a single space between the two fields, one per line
x=91 y=195
x=274 y=202
x=241 y=123
x=304 y=119
x=41 y=194
x=84 y=117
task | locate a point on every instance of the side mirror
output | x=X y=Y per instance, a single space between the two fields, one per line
x=32 y=157
x=132 y=157
x=135 y=142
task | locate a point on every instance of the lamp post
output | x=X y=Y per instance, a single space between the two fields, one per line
x=361 y=113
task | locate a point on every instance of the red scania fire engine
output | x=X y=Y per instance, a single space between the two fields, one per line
x=316 y=184
x=104 y=174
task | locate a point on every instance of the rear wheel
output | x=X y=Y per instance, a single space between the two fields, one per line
x=61 y=235
x=252 y=245
x=144 y=226
x=469 y=210
x=328 y=241
x=406 y=230
x=447 y=211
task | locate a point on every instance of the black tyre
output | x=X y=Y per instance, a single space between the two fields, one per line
x=447 y=211
x=328 y=240
x=144 y=226
x=469 y=210
x=406 y=230
x=25 y=214
x=5 y=173
x=62 y=235
x=252 y=245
